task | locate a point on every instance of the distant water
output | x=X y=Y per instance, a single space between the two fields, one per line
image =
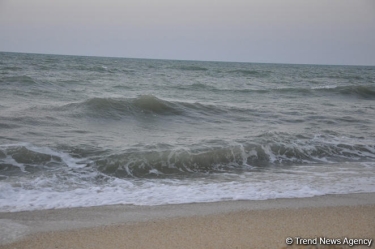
x=86 y=131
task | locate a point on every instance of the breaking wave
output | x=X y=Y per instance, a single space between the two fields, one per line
x=231 y=158
x=163 y=160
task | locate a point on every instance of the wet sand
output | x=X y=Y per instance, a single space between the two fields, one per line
x=232 y=224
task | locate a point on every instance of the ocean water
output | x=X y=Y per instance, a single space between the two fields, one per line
x=86 y=131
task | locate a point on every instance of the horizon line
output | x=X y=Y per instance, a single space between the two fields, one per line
x=220 y=61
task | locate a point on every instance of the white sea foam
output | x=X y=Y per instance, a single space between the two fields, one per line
x=324 y=87
x=54 y=192
x=65 y=157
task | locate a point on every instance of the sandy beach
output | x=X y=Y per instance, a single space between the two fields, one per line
x=232 y=224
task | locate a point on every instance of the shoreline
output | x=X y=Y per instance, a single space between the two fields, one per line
x=228 y=224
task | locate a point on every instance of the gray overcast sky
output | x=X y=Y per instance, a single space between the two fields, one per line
x=280 y=31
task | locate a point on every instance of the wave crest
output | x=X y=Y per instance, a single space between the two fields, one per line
x=242 y=157
x=366 y=92
x=23 y=79
x=150 y=103
x=141 y=105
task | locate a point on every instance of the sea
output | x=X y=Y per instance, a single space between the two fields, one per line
x=81 y=131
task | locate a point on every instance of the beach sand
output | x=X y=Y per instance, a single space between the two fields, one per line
x=232 y=224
